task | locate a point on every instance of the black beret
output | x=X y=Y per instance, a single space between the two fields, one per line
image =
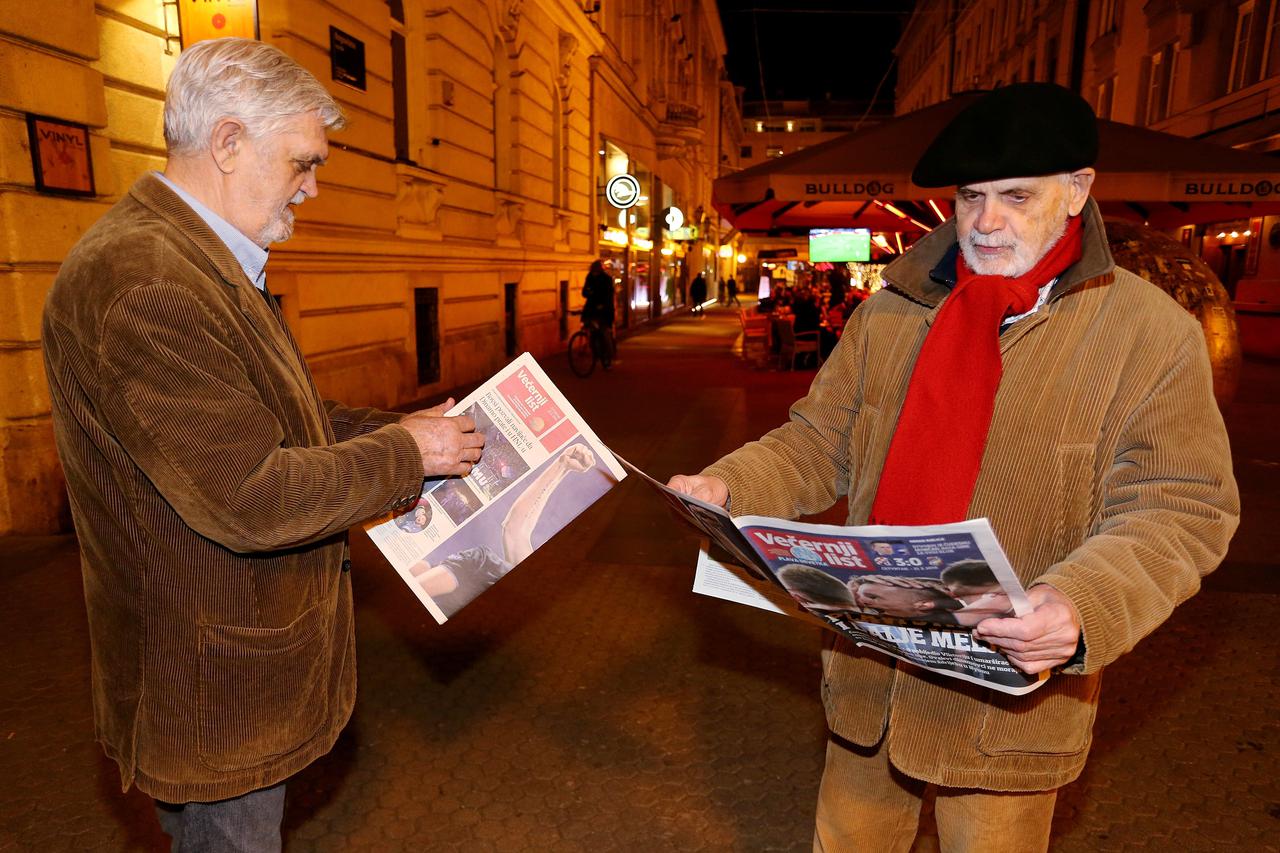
x=1017 y=131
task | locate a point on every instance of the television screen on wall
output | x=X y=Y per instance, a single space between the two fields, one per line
x=838 y=245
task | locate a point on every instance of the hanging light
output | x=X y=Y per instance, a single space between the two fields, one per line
x=742 y=259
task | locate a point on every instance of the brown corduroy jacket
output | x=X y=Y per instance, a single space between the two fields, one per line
x=211 y=489
x=1106 y=475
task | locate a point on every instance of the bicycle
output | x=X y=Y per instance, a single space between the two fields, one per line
x=589 y=345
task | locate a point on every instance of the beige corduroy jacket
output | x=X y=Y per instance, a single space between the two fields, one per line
x=1106 y=475
x=211 y=489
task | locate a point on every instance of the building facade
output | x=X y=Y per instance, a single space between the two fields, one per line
x=1206 y=69
x=459 y=208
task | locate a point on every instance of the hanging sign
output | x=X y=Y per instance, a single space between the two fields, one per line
x=201 y=20
x=622 y=191
x=346 y=59
x=674 y=217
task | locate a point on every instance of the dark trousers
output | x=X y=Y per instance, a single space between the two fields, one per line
x=249 y=823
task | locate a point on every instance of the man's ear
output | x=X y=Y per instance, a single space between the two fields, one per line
x=1079 y=183
x=225 y=142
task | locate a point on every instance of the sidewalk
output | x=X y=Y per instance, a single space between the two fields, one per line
x=590 y=702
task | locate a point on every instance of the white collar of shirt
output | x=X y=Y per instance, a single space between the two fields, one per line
x=1040 y=300
x=252 y=257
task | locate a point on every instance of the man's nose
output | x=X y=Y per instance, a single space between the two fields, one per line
x=990 y=219
x=309 y=185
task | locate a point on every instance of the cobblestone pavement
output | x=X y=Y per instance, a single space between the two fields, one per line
x=590 y=702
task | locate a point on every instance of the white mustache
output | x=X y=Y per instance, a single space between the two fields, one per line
x=298 y=198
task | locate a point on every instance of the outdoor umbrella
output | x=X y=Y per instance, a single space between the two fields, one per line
x=863 y=180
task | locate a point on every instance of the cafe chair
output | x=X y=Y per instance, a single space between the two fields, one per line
x=804 y=343
x=755 y=337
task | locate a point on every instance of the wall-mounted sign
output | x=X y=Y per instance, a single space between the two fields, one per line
x=674 y=217
x=622 y=191
x=201 y=20
x=687 y=232
x=60 y=156
x=346 y=58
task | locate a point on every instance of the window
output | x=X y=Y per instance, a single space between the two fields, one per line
x=400 y=96
x=1273 y=43
x=1106 y=91
x=745 y=152
x=773 y=151
x=1156 y=84
x=426 y=327
x=503 y=141
x=1160 y=75
x=1244 y=52
x=510 y=316
x=1107 y=17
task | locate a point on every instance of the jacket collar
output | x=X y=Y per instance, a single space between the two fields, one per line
x=926 y=274
x=151 y=192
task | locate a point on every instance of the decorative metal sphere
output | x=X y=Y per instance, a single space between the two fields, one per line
x=1179 y=272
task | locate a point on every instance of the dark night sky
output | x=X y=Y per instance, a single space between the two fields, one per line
x=813 y=47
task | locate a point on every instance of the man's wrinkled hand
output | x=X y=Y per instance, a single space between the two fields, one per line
x=1042 y=639
x=709 y=489
x=448 y=446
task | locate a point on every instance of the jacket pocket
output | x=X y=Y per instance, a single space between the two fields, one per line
x=1057 y=719
x=263 y=691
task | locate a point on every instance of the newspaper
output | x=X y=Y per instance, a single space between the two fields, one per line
x=541 y=466
x=913 y=593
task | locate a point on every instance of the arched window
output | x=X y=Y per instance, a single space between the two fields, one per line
x=503 y=135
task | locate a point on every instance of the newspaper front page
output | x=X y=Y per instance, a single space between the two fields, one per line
x=541 y=467
x=913 y=593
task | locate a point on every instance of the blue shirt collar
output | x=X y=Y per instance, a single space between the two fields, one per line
x=252 y=257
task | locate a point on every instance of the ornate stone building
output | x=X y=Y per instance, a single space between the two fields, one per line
x=459 y=208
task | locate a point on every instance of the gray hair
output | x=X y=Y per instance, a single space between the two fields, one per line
x=252 y=82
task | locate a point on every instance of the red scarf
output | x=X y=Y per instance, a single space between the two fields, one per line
x=937 y=447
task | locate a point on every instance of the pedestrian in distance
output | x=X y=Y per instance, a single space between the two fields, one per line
x=211 y=486
x=731 y=291
x=598 y=308
x=1102 y=464
x=698 y=293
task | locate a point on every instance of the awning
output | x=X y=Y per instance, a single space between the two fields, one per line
x=863 y=179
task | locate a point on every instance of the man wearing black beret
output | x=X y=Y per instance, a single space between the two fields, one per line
x=1007 y=370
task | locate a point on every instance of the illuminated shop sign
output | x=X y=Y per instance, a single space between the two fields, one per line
x=201 y=20
x=622 y=191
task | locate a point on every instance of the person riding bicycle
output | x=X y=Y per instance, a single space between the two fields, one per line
x=598 y=291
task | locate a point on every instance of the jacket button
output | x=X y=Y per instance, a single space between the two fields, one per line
x=346 y=565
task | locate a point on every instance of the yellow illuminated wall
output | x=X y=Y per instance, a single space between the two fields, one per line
x=490 y=187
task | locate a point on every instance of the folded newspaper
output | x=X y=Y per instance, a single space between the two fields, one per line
x=541 y=466
x=913 y=593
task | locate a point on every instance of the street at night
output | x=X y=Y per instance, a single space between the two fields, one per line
x=591 y=702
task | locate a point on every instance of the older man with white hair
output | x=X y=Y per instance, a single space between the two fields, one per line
x=1009 y=370
x=211 y=485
